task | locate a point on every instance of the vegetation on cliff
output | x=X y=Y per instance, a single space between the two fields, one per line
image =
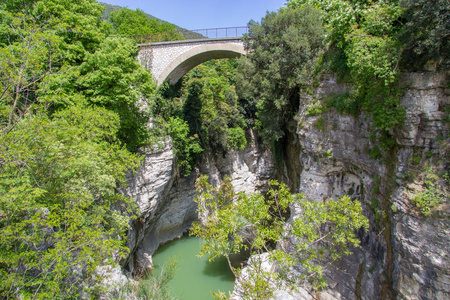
x=370 y=43
x=206 y=101
x=365 y=43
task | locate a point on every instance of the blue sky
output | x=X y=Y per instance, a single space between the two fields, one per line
x=202 y=14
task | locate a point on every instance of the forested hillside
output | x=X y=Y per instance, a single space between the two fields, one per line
x=142 y=27
x=109 y=8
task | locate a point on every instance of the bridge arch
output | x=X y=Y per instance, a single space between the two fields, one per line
x=172 y=60
x=187 y=61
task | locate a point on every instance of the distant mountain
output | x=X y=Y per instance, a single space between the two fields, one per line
x=110 y=8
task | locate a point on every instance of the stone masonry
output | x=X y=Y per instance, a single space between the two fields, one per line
x=171 y=60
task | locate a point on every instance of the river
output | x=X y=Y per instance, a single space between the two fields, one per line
x=195 y=277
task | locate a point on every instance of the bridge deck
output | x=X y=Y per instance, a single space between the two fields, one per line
x=226 y=32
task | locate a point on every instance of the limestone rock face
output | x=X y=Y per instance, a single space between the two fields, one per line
x=404 y=255
x=166 y=199
x=421 y=244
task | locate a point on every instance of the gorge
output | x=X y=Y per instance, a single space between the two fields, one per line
x=343 y=106
x=404 y=255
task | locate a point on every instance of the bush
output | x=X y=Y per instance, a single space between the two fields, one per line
x=236 y=138
x=344 y=103
x=186 y=147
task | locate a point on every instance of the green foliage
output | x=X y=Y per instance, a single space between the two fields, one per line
x=155 y=287
x=373 y=53
x=56 y=51
x=340 y=16
x=231 y=218
x=236 y=222
x=394 y=208
x=137 y=24
x=374 y=202
x=211 y=108
x=168 y=102
x=60 y=214
x=344 y=103
x=343 y=216
x=416 y=159
x=320 y=124
x=316 y=109
x=69 y=100
x=428 y=199
x=186 y=147
x=207 y=101
x=426 y=33
x=232 y=223
x=257 y=282
x=434 y=192
x=375 y=152
x=149 y=287
x=236 y=138
x=373 y=63
x=75 y=25
x=283 y=52
x=364 y=43
x=26 y=51
x=372 y=57
x=113 y=78
x=220 y=295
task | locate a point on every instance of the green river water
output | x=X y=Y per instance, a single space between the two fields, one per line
x=195 y=277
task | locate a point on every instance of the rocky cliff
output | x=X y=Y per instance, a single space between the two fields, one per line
x=166 y=199
x=405 y=253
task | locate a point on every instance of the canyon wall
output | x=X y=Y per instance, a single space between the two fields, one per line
x=403 y=256
x=166 y=199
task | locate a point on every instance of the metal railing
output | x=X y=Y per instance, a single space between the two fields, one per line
x=210 y=33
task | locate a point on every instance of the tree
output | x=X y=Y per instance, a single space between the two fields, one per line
x=426 y=33
x=25 y=60
x=211 y=107
x=76 y=24
x=56 y=50
x=37 y=39
x=232 y=223
x=186 y=147
x=113 y=78
x=282 y=54
x=205 y=99
x=60 y=214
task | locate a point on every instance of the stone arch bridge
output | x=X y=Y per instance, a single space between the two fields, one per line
x=172 y=60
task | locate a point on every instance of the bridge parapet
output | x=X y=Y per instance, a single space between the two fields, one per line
x=225 y=32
